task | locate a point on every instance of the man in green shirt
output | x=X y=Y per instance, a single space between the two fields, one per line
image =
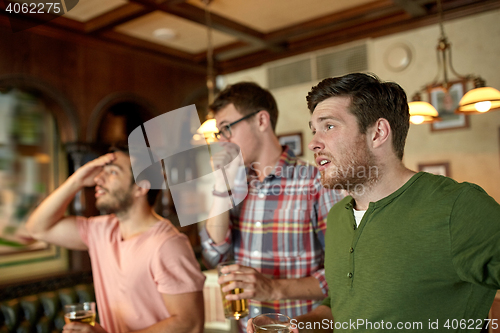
x=405 y=251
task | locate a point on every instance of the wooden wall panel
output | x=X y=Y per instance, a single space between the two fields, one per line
x=85 y=74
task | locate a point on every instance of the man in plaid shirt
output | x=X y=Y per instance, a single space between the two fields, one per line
x=276 y=234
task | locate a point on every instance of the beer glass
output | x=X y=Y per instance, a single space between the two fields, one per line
x=232 y=309
x=271 y=322
x=82 y=313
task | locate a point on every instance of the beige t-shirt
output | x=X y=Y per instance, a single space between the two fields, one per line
x=130 y=276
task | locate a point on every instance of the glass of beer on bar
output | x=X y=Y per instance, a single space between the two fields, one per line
x=271 y=322
x=232 y=309
x=82 y=313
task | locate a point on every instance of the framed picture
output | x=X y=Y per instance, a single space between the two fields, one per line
x=31 y=167
x=446 y=104
x=442 y=168
x=293 y=141
x=28 y=264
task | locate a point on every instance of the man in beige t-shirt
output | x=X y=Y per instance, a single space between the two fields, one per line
x=145 y=273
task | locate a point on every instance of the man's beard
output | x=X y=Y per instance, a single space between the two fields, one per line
x=353 y=170
x=119 y=201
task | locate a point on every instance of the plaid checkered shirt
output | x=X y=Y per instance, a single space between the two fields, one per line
x=279 y=230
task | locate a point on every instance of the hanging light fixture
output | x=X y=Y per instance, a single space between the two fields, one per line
x=422 y=112
x=485 y=98
x=479 y=100
x=206 y=132
x=210 y=54
x=208 y=128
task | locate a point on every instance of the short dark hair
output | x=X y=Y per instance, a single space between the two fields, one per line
x=371 y=99
x=152 y=194
x=247 y=97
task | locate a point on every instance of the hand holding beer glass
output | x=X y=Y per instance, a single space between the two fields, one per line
x=232 y=309
x=82 y=313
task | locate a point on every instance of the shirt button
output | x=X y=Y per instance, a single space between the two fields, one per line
x=261 y=195
x=349 y=275
x=255 y=310
x=351 y=250
x=258 y=224
x=256 y=253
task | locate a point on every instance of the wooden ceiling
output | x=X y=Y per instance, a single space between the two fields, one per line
x=246 y=33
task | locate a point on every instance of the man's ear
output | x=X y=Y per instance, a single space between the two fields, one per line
x=380 y=133
x=264 y=120
x=143 y=187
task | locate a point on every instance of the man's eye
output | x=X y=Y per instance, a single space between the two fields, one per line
x=329 y=126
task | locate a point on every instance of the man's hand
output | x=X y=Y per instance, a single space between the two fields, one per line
x=85 y=175
x=254 y=284
x=49 y=222
x=225 y=160
x=225 y=163
x=223 y=157
x=76 y=327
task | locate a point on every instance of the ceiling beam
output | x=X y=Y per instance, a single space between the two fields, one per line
x=396 y=23
x=340 y=36
x=23 y=21
x=327 y=22
x=411 y=7
x=197 y=15
x=202 y=56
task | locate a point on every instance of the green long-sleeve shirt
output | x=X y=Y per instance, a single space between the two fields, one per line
x=429 y=251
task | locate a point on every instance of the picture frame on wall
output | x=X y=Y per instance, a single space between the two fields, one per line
x=440 y=168
x=30 y=169
x=446 y=104
x=293 y=141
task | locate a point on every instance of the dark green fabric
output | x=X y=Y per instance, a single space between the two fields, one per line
x=429 y=251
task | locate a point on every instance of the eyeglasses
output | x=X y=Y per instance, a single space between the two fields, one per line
x=225 y=131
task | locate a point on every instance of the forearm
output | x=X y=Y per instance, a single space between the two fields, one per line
x=53 y=208
x=218 y=225
x=303 y=288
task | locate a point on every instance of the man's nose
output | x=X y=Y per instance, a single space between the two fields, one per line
x=99 y=178
x=316 y=145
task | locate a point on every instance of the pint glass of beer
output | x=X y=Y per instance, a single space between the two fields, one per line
x=271 y=323
x=232 y=309
x=82 y=313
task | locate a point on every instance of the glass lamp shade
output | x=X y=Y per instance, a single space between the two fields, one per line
x=479 y=100
x=207 y=130
x=209 y=127
x=422 y=112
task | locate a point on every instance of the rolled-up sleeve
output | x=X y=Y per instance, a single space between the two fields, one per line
x=320 y=276
x=215 y=253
